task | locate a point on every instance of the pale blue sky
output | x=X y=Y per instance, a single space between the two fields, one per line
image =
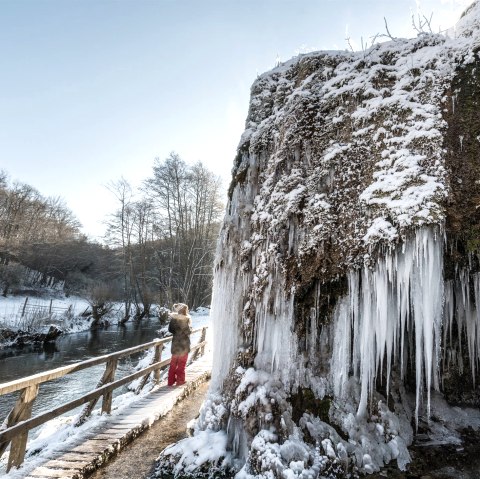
x=93 y=90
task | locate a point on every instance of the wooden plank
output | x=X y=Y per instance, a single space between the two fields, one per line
x=130 y=413
x=95 y=448
x=104 y=444
x=126 y=420
x=74 y=457
x=113 y=439
x=47 y=472
x=114 y=431
x=120 y=427
x=67 y=465
x=118 y=435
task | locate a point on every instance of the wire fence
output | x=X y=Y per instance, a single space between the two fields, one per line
x=33 y=315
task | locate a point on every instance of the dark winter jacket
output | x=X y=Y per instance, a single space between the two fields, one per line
x=181 y=327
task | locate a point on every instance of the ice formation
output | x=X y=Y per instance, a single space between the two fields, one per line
x=346 y=298
x=399 y=299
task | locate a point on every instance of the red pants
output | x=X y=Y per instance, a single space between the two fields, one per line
x=176 y=373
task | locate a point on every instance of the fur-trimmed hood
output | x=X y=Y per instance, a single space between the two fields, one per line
x=179 y=317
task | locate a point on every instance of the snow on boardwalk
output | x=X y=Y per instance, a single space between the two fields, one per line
x=102 y=442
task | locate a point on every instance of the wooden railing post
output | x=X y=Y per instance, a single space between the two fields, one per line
x=156 y=375
x=109 y=377
x=157 y=359
x=21 y=412
x=24 y=306
x=202 y=339
x=199 y=351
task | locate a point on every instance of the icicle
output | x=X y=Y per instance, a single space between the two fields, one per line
x=225 y=314
x=462 y=308
x=401 y=296
x=312 y=336
x=341 y=359
x=276 y=343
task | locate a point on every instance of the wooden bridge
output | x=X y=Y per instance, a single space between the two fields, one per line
x=93 y=445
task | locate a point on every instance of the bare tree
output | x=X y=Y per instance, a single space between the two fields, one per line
x=120 y=234
x=188 y=207
x=166 y=237
x=100 y=297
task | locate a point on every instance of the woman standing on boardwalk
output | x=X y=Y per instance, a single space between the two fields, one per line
x=180 y=326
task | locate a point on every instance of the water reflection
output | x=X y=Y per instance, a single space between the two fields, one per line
x=49 y=350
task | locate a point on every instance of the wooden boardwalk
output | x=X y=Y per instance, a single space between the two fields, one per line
x=91 y=448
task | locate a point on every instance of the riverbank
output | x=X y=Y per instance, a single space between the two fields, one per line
x=41 y=317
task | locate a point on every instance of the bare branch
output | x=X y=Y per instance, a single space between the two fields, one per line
x=389 y=35
x=374 y=39
x=422 y=25
x=428 y=22
x=349 y=43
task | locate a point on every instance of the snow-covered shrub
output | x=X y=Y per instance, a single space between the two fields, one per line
x=11 y=277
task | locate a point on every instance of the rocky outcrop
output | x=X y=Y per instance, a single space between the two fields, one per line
x=347 y=283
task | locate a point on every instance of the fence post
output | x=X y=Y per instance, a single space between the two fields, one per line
x=157 y=358
x=21 y=412
x=24 y=306
x=50 y=308
x=156 y=374
x=109 y=377
x=199 y=351
x=202 y=339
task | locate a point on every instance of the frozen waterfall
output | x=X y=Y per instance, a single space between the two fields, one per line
x=392 y=313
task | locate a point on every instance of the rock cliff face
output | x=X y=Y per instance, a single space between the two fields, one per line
x=347 y=280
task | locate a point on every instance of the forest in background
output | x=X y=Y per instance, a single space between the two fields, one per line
x=158 y=247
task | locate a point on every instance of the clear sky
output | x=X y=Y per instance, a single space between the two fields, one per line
x=92 y=90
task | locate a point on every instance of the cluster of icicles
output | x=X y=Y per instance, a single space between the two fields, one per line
x=395 y=313
x=399 y=315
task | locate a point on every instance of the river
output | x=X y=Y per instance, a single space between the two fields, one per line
x=31 y=359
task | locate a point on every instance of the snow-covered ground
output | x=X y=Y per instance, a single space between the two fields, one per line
x=11 y=307
x=65 y=313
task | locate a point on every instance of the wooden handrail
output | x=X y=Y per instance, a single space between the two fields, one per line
x=52 y=374
x=18 y=423
x=53 y=413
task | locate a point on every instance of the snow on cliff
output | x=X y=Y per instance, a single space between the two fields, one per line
x=347 y=276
